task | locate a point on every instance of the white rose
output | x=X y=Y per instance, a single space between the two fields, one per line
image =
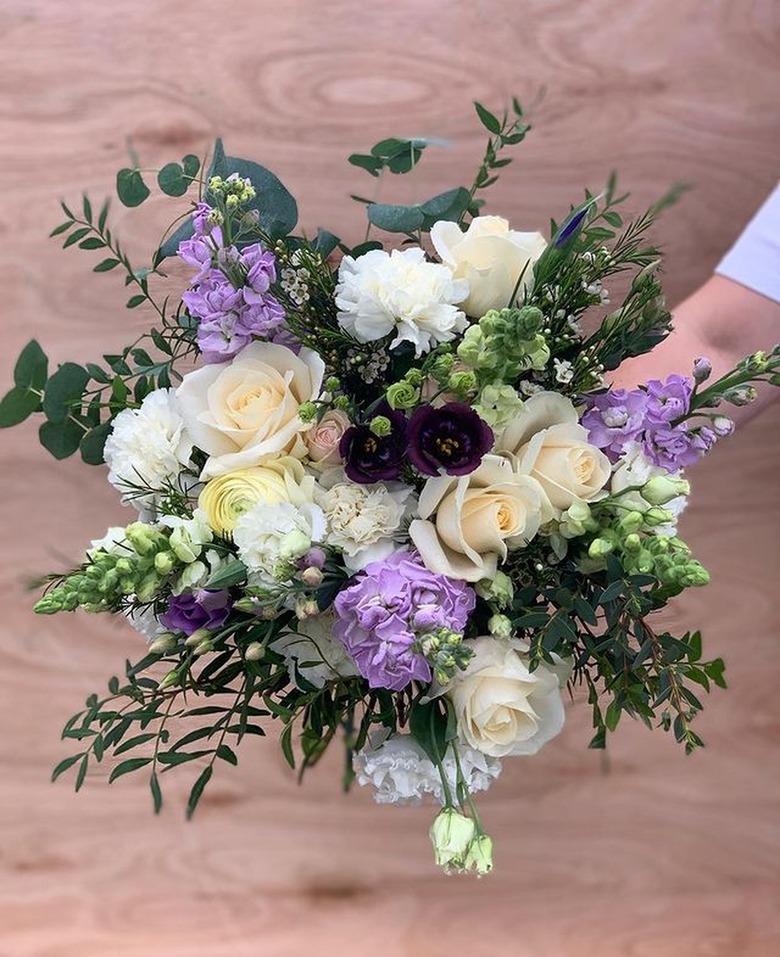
x=362 y=520
x=148 y=447
x=400 y=771
x=312 y=653
x=502 y=708
x=552 y=447
x=379 y=293
x=469 y=522
x=244 y=412
x=491 y=257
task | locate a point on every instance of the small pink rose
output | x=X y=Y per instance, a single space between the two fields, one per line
x=323 y=439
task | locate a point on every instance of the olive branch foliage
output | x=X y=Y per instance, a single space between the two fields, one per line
x=599 y=621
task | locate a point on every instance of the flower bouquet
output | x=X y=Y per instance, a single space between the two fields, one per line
x=384 y=495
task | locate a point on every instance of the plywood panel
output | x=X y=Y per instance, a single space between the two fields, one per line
x=662 y=855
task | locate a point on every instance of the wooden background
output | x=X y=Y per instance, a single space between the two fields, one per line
x=663 y=855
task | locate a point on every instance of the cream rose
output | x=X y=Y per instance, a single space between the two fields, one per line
x=323 y=440
x=246 y=411
x=502 y=708
x=551 y=446
x=491 y=256
x=467 y=523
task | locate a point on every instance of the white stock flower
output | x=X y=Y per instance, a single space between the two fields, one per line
x=502 y=708
x=269 y=537
x=379 y=293
x=400 y=771
x=634 y=468
x=188 y=535
x=314 y=653
x=362 y=520
x=145 y=622
x=197 y=573
x=114 y=542
x=148 y=446
x=491 y=257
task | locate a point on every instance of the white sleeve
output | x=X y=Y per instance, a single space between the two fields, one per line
x=754 y=259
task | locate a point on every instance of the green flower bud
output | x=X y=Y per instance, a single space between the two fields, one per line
x=163 y=643
x=402 y=395
x=500 y=626
x=663 y=488
x=312 y=577
x=247 y=605
x=255 y=651
x=632 y=542
x=341 y=402
x=163 y=563
x=307 y=412
x=332 y=383
x=499 y=590
x=657 y=516
x=451 y=835
x=631 y=522
x=171 y=679
x=380 y=425
x=462 y=383
x=204 y=647
x=198 y=636
x=600 y=547
x=414 y=377
x=479 y=856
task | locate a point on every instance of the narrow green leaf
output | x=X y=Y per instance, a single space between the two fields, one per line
x=125 y=767
x=135 y=742
x=82 y=772
x=134 y=301
x=87 y=209
x=227 y=754
x=61 y=228
x=488 y=120
x=285 y=741
x=154 y=785
x=173 y=758
x=106 y=265
x=103 y=215
x=64 y=765
x=198 y=788
x=75 y=236
x=231 y=573
x=92 y=242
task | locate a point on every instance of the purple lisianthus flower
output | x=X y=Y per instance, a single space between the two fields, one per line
x=375 y=458
x=452 y=438
x=390 y=604
x=615 y=418
x=199 y=609
x=668 y=400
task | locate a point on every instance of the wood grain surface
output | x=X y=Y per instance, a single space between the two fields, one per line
x=656 y=854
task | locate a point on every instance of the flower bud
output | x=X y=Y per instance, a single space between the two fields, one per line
x=663 y=488
x=255 y=651
x=248 y=605
x=498 y=589
x=600 y=547
x=307 y=412
x=500 y=626
x=169 y=680
x=402 y=395
x=380 y=425
x=204 y=647
x=306 y=608
x=163 y=643
x=451 y=835
x=199 y=635
x=743 y=395
x=311 y=576
x=163 y=563
x=631 y=522
x=657 y=516
x=479 y=856
x=702 y=369
x=315 y=556
x=722 y=425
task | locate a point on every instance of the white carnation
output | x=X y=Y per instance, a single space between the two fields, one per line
x=269 y=537
x=401 y=773
x=313 y=653
x=635 y=468
x=148 y=446
x=379 y=293
x=362 y=520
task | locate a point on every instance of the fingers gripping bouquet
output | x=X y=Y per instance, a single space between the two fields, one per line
x=394 y=502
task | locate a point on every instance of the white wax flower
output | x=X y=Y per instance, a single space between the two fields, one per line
x=379 y=293
x=148 y=446
x=362 y=520
x=313 y=653
x=401 y=773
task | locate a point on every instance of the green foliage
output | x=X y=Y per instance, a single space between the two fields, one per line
x=130 y=187
x=395 y=155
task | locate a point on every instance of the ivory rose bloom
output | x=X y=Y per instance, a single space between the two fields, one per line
x=323 y=440
x=244 y=412
x=491 y=257
x=551 y=446
x=468 y=523
x=227 y=497
x=502 y=708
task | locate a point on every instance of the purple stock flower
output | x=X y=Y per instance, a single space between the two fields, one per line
x=389 y=605
x=199 y=609
x=668 y=400
x=452 y=438
x=615 y=418
x=375 y=458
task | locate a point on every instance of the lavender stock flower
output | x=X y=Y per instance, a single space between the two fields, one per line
x=616 y=418
x=389 y=605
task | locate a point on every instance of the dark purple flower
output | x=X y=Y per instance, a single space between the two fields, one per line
x=668 y=400
x=452 y=438
x=199 y=609
x=614 y=419
x=375 y=458
x=389 y=605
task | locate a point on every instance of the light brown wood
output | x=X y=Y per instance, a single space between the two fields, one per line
x=663 y=855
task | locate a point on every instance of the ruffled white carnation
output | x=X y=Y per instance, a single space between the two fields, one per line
x=380 y=293
x=635 y=468
x=313 y=653
x=362 y=520
x=148 y=446
x=401 y=773
x=269 y=537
